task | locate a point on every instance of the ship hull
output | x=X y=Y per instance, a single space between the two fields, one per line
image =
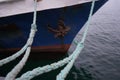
x=15 y=34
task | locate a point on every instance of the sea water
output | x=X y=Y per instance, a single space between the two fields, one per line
x=100 y=58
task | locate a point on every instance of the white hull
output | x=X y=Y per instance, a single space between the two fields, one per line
x=14 y=7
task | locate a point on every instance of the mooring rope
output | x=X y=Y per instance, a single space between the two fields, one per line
x=21 y=51
x=13 y=73
x=88 y=22
x=40 y=70
x=70 y=60
x=14 y=56
x=62 y=75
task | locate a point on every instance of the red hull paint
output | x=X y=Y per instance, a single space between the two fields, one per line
x=40 y=52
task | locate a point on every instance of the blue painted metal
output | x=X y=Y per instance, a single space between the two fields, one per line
x=74 y=17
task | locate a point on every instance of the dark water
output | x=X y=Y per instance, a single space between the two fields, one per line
x=74 y=74
x=100 y=59
x=101 y=55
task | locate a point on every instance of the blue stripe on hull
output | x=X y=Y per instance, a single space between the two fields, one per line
x=74 y=17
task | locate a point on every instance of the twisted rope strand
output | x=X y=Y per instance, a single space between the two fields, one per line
x=20 y=52
x=40 y=70
x=14 y=56
x=88 y=21
x=13 y=73
x=62 y=75
x=70 y=60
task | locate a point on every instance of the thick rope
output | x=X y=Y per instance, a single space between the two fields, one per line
x=20 y=52
x=70 y=60
x=13 y=73
x=62 y=75
x=88 y=22
x=35 y=12
x=14 y=56
x=40 y=70
x=37 y=71
x=17 y=54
